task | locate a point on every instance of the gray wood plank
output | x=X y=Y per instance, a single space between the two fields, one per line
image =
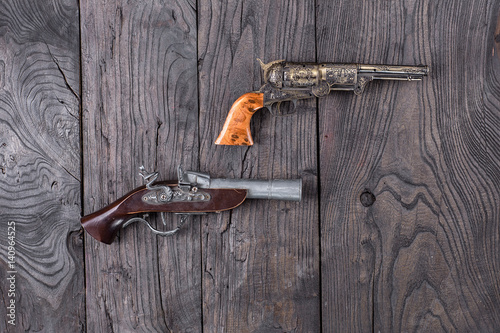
x=139 y=107
x=40 y=167
x=260 y=261
x=425 y=255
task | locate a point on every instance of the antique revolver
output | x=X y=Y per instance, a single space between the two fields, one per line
x=194 y=193
x=288 y=81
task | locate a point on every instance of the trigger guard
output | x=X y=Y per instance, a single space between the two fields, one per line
x=275 y=108
x=153 y=230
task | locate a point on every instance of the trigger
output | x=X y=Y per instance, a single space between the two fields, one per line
x=275 y=109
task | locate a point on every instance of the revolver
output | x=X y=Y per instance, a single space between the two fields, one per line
x=291 y=81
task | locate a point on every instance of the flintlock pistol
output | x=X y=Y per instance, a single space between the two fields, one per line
x=194 y=193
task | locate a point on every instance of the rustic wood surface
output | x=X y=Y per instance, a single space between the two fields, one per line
x=399 y=226
x=40 y=166
x=425 y=255
x=260 y=261
x=139 y=107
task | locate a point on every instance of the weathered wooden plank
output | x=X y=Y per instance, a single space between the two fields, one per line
x=139 y=107
x=260 y=261
x=40 y=167
x=424 y=256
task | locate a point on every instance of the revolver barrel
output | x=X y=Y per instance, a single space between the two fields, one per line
x=388 y=72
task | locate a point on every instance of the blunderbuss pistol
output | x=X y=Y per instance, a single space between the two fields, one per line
x=194 y=193
x=289 y=81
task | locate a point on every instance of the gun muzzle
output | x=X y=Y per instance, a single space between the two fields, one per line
x=275 y=189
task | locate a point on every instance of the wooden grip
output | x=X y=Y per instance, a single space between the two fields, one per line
x=104 y=224
x=236 y=130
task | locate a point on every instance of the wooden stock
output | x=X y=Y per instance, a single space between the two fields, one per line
x=236 y=130
x=104 y=224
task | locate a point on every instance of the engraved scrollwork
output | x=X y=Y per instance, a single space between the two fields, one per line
x=273 y=72
x=155 y=197
x=300 y=75
x=412 y=70
x=322 y=89
x=383 y=68
x=341 y=74
x=360 y=86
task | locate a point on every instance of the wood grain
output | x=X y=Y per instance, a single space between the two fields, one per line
x=139 y=108
x=423 y=255
x=399 y=226
x=40 y=165
x=260 y=261
x=236 y=128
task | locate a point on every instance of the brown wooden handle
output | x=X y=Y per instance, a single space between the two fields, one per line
x=104 y=224
x=236 y=130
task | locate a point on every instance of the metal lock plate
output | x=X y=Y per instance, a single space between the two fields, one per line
x=159 y=197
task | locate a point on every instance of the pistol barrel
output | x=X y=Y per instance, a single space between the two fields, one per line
x=389 y=72
x=275 y=189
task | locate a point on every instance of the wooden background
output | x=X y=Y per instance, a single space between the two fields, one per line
x=399 y=226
